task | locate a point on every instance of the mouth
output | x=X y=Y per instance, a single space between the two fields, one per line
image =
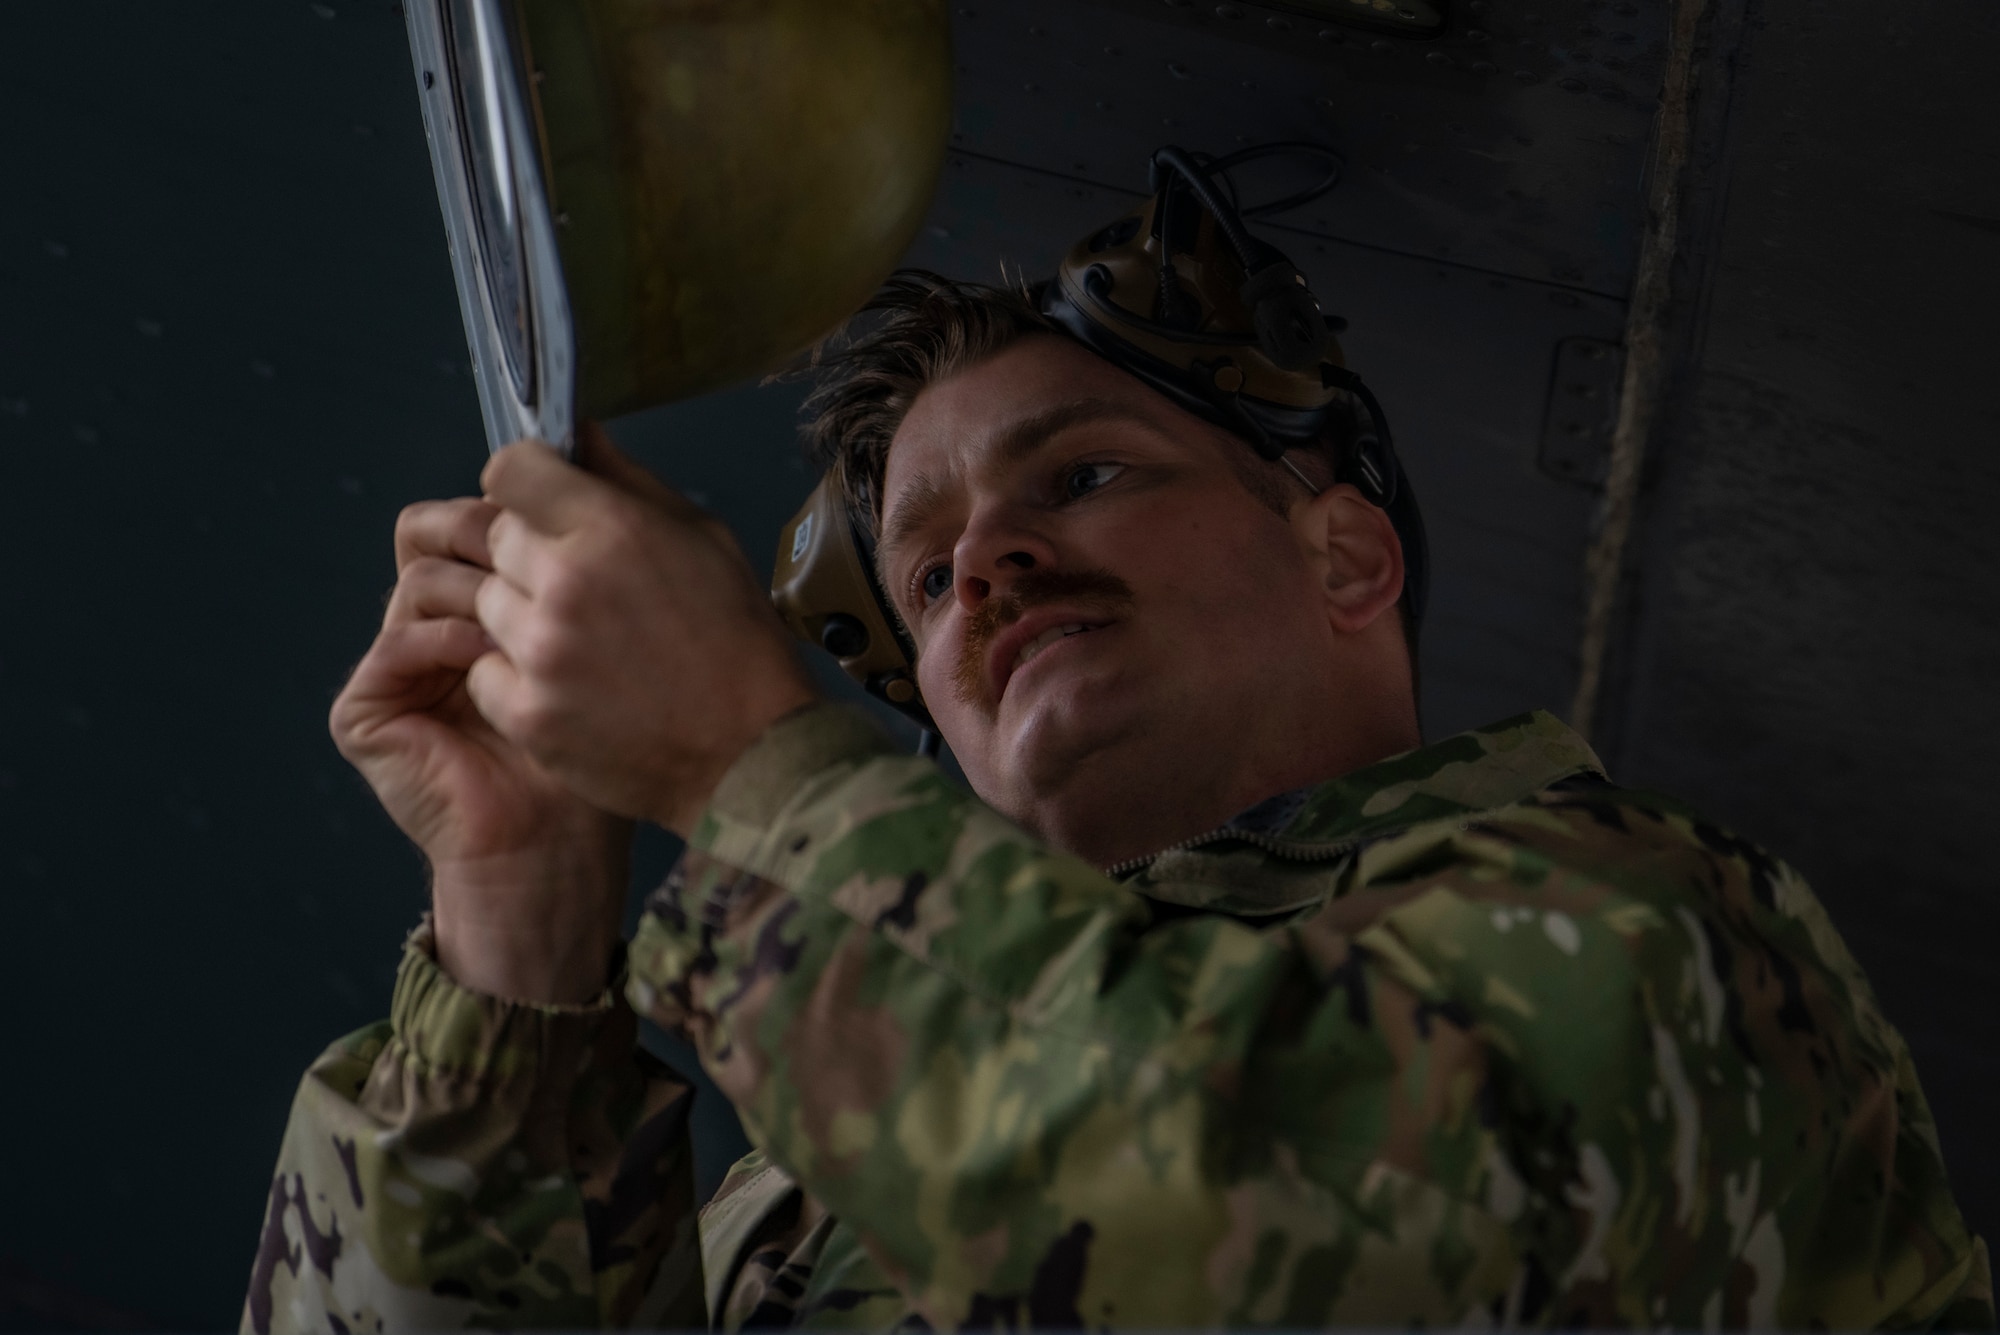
x=1031 y=637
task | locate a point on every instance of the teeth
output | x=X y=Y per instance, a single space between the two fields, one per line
x=1045 y=639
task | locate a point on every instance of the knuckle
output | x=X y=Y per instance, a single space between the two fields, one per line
x=568 y=591
x=542 y=651
x=425 y=571
x=623 y=523
x=534 y=720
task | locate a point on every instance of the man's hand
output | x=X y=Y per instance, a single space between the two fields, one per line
x=637 y=655
x=528 y=880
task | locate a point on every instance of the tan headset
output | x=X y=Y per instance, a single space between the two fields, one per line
x=1179 y=294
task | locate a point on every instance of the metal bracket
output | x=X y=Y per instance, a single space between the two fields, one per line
x=1582 y=410
x=539 y=403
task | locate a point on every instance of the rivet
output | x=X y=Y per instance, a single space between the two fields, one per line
x=1332 y=35
x=1483 y=67
x=1228 y=12
x=1229 y=379
x=1438 y=58
x=1178 y=70
x=1383 y=48
x=1281 y=24
x=900 y=690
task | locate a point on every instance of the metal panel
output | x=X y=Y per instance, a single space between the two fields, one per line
x=1515 y=142
x=1582 y=410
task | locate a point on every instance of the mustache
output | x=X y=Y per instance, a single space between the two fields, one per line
x=1096 y=590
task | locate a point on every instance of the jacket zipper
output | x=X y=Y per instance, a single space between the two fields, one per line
x=1296 y=852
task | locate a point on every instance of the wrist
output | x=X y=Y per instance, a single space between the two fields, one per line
x=540 y=926
x=683 y=809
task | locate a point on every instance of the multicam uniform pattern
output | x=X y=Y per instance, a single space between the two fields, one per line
x=1468 y=1037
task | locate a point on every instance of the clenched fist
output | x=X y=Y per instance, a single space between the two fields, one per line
x=635 y=654
x=527 y=879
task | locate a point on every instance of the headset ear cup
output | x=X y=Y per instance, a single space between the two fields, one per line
x=824 y=587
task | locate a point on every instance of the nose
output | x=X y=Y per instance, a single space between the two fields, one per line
x=999 y=544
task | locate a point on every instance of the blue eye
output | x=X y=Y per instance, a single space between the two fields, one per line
x=1086 y=478
x=937 y=582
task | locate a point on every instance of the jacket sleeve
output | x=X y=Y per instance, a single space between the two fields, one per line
x=1581 y=1060
x=476 y=1162
x=1038 y=1107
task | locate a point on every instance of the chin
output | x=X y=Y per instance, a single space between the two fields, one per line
x=1066 y=734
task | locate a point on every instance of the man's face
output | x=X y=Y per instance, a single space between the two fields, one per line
x=1095 y=596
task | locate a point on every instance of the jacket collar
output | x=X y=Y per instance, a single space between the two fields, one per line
x=1473 y=771
x=1493 y=766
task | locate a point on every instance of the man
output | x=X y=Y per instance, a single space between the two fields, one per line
x=1226 y=1002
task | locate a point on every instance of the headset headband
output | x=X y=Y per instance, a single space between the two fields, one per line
x=1180 y=295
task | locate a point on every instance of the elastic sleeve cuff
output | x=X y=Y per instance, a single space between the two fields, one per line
x=448 y=1027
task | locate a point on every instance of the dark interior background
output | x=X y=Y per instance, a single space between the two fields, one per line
x=230 y=352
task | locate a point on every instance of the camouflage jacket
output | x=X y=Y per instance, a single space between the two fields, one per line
x=1467 y=1037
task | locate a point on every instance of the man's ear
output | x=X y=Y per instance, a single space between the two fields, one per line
x=1359 y=556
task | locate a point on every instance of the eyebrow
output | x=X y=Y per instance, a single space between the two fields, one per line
x=923 y=498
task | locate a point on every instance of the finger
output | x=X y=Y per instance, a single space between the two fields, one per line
x=409 y=667
x=431 y=586
x=454 y=528
x=505 y=613
x=522 y=556
x=534 y=482
x=495 y=688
